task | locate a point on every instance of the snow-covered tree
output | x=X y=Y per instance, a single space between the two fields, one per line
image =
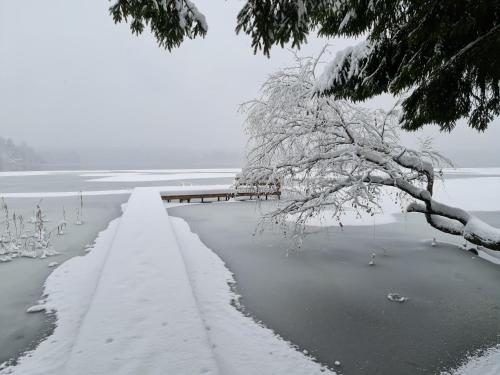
x=332 y=154
x=445 y=52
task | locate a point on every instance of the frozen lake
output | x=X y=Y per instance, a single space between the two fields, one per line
x=324 y=298
x=327 y=300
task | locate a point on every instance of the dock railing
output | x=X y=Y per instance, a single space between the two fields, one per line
x=262 y=190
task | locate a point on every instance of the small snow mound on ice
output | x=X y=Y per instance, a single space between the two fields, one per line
x=52 y=264
x=337 y=363
x=36 y=308
x=396 y=297
x=372 y=261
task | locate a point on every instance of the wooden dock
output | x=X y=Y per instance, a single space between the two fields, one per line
x=219 y=196
x=201 y=196
x=239 y=189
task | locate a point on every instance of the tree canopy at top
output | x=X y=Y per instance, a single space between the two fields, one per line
x=445 y=53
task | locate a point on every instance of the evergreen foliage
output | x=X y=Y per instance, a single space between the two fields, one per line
x=169 y=20
x=443 y=54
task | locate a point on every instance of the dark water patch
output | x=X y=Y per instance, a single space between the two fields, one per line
x=326 y=299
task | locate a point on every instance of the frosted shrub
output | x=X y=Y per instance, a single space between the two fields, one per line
x=32 y=241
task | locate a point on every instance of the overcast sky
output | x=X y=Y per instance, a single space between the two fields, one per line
x=72 y=79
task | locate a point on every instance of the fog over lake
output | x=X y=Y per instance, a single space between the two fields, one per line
x=73 y=81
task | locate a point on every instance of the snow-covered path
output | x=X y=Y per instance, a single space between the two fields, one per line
x=150 y=298
x=143 y=318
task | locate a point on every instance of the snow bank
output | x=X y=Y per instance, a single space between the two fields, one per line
x=138 y=177
x=486 y=364
x=151 y=299
x=242 y=347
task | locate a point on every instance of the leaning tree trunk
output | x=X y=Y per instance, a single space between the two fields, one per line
x=458 y=222
x=443 y=217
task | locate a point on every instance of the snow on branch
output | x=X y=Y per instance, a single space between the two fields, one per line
x=332 y=154
x=346 y=64
x=169 y=20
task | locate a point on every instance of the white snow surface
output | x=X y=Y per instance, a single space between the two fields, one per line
x=152 y=299
x=485 y=364
x=468 y=171
x=107 y=172
x=36 y=308
x=143 y=177
x=55 y=194
x=171 y=189
x=470 y=194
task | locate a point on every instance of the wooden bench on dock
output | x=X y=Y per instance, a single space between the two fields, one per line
x=257 y=191
x=202 y=196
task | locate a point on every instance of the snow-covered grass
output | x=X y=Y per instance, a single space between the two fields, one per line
x=150 y=298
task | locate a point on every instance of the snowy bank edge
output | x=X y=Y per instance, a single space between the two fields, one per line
x=242 y=345
x=486 y=363
x=67 y=293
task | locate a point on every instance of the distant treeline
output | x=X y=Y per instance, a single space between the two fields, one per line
x=18 y=157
